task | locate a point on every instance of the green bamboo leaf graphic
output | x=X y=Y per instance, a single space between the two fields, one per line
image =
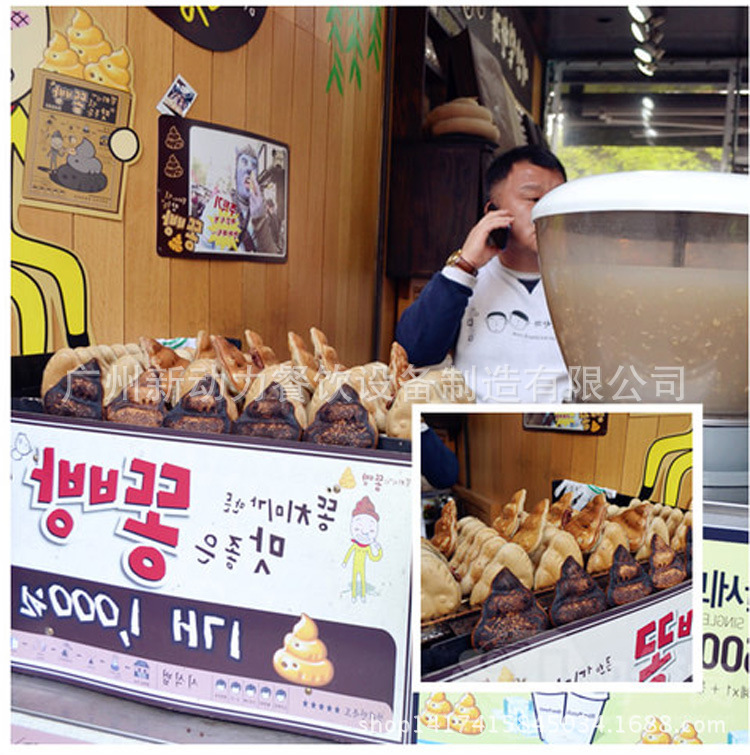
x=355 y=71
x=334 y=76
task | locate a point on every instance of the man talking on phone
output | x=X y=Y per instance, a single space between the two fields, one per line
x=494 y=278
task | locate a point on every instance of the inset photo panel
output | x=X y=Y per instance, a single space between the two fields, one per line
x=557 y=548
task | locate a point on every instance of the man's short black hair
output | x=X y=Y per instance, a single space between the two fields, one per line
x=501 y=166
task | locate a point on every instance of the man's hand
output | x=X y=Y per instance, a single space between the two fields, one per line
x=255 y=198
x=476 y=249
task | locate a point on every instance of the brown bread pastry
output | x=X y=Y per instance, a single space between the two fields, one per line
x=678 y=541
x=666 y=568
x=440 y=593
x=600 y=559
x=657 y=527
x=476 y=566
x=343 y=421
x=509 y=556
x=509 y=519
x=445 y=537
x=142 y=403
x=123 y=371
x=259 y=354
x=674 y=520
x=468 y=527
x=576 y=595
x=236 y=369
x=398 y=367
x=635 y=521
x=203 y=408
x=354 y=382
x=509 y=614
x=79 y=393
x=204 y=349
x=561 y=545
x=325 y=355
x=560 y=509
x=628 y=581
x=270 y=415
x=477 y=543
x=170 y=364
x=529 y=534
x=587 y=527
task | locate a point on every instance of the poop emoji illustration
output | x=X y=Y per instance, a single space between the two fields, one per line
x=347 y=479
x=86 y=38
x=466 y=717
x=304 y=657
x=687 y=735
x=59 y=58
x=110 y=70
x=436 y=713
x=82 y=171
x=655 y=734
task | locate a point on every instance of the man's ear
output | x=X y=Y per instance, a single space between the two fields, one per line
x=489 y=206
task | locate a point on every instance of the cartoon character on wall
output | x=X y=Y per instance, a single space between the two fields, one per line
x=364 y=531
x=48 y=279
x=34 y=261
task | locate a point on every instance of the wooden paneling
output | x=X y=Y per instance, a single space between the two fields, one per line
x=274 y=86
x=504 y=457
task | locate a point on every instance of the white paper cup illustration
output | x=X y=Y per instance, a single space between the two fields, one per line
x=549 y=708
x=582 y=714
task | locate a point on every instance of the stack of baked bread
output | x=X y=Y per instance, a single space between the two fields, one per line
x=218 y=387
x=463 y=115
x=636 y=549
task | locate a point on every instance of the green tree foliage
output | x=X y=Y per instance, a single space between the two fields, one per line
x=587 y=161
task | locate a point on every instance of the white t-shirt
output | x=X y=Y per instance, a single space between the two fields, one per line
x=506 y=348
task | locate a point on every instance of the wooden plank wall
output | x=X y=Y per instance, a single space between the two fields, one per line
x=504 y=457
x=275 y=85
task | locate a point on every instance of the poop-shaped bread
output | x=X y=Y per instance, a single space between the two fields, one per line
x=440 y=593
x=587 y=526
x=509 y=613
x=271 y=415
x=437 y=710
x=466 y=717
x=628 y=580
x=687 y=735
x=77 y=394
x=600 y=559
x=529 y=534
x=560 y=511
x=561 y=545
x=445 y=538
x=202 y=409
x=576 y=595
x=508 y=520
x=143 y=402
x=655 y=734
x=666 y=568
x=304 y=657
x=343 y=421
x=635 y=521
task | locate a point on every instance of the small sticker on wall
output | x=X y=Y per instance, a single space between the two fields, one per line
x=178 y=99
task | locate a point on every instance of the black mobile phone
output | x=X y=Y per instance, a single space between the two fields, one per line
x=499 y=236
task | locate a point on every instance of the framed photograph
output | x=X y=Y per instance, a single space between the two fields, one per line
x=591 y=423
x=222 y=193
x=69 y=163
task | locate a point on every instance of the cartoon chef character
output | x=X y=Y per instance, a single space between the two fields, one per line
x=364 y=531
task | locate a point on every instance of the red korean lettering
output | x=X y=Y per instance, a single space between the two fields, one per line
x=45 y=476
x=144 y=495
x=153 y=529
x=656 y=663
x=644 y=646
x=179 y=498
x=666 y=636
x=70 y=481
x=148 y=563
x=685 y=624
x=59 y=523
x=102 y=489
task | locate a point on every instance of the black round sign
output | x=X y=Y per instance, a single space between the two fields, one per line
x=218 y=29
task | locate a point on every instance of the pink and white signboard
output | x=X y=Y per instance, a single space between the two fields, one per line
x=266 y=582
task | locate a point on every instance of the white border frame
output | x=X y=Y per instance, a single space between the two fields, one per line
x=696 y=685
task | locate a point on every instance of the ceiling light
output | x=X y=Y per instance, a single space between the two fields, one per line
x=647 y=69
x=648 y=53
x=640 y=13
x=648 y=103
x=651 y=133
x=639 y=31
